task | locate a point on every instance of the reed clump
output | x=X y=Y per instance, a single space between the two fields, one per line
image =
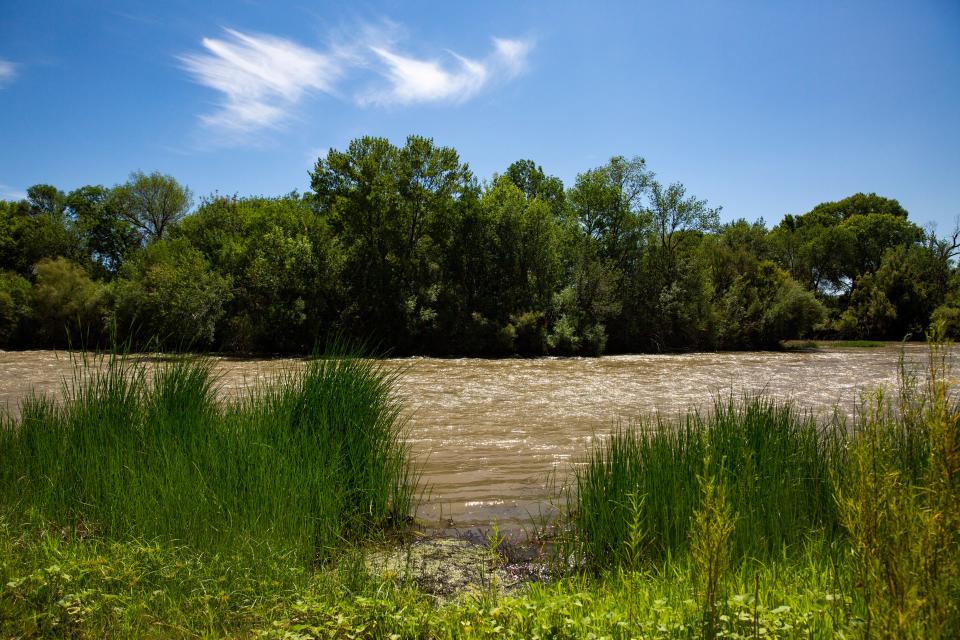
x=298 y=468
x=777 y=466
x=899 y=502
x=756 y=484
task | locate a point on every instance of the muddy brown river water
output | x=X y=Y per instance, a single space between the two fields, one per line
x=494 y=438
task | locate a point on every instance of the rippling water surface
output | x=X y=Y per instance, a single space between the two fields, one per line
x=492 y=435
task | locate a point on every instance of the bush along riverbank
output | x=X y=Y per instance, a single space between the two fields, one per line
x=138 y=506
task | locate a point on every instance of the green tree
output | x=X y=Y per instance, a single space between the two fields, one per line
x=45 y=199
x=107 y=235
x=281 y=259
x=15 y=297
x=815 y=254
x=735 y=250
x=501 y=269
x=608 y=206
x=830 y=247
x=391 y=209
x=762 y=305
x=37 y=228
x=69 y=307
x=675 y=302
x=153 y=203
x=606 y=244
x=169 y=294
x=898 y=298
x=14 y=253
x=582 y=309
x=858 y=204
x=874 y=235
x=674 y=215
x=670 y=300
x=535 y=184
x=469 y=309
x=51 y=233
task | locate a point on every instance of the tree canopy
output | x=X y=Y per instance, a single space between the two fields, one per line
x=403 y=246
x=152 y=203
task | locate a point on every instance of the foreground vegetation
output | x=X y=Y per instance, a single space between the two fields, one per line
x=139 y=507
x=404 y=245
x=878 y=504
x=295 y=470
x=94 y=589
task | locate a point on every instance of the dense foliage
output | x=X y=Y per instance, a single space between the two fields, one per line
x=403 y=245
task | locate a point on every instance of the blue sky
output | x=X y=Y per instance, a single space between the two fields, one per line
x=763 y=108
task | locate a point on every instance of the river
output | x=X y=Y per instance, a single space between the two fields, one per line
x=494 y=438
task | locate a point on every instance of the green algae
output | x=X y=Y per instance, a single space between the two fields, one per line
x=445 y=568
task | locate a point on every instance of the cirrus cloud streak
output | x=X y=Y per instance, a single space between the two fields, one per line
x=414 y=80
x=262 y=79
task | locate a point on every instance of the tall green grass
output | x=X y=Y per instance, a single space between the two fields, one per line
x=899 y=501
x=758 y=482
x=298 y=467
x=777 y=464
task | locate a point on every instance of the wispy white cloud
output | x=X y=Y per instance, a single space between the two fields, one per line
x=510 y=56
x=262 y=78
x=413 y=80
x=8 y=71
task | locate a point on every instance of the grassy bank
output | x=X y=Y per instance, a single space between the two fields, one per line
x=877 y=500
x=141 y=507
x=801 y=345
x=297 y=468
x=56 y=587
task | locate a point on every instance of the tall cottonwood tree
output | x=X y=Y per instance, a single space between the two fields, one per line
x=153 y=203
x=108 y=237
x=610 y=221
x=389 y=207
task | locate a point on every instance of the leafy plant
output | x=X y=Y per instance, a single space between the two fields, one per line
x=713 y=523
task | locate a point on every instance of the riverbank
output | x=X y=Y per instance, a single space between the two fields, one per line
x=797 y=345
x=86 y=588
x=152 y=510
x=496 y=439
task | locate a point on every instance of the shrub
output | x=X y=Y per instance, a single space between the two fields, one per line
x=69 y=306
x=14 y=306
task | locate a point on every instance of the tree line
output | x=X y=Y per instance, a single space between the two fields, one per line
x=403 y=247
